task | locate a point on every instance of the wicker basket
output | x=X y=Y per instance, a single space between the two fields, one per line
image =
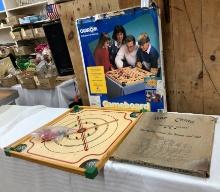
x=26 y=79
x=8 y=82
x=45 y=83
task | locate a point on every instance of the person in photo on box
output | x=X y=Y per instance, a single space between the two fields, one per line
x=147 y=55
x=118 y=36
x=101 y=53
x=126 y=55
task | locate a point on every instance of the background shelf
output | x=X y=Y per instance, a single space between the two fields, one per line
x=27 y=6
x=10 y=8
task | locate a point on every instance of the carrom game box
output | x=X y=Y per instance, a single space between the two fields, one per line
x=122 y=58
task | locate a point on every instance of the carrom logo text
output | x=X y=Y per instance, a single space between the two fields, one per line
x=89 y=30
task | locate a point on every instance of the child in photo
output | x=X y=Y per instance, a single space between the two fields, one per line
x=147 y=55
x=101 y=54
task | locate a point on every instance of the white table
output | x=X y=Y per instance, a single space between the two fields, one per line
x=61 y=96
x=23 y=176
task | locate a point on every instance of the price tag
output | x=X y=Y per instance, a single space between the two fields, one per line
x=12 y=35
x=23 y=32
x=36 y=80
x=36 y=30
x=145 y=3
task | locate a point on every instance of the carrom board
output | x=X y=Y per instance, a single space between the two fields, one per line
x=129 y=75
x=95 y=135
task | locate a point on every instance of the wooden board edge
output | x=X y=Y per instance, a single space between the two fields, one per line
x=56 y=165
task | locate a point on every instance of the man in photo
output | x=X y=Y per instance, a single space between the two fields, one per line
x=147 y=55
x=126 y=55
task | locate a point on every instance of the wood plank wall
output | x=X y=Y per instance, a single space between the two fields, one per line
x=187 y=46
x=191 y=43
x=192 y=78
x=211 y=55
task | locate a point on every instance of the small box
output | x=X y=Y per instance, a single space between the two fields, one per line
x=23 y=50
x=28 y=82
x=23 y=2
x=27 y=34
x=45 y=83
x=26 y=79
x=35 y=18
x=39 y=32
x=8 y=81
x=16 y=35
x=30 y=19
x=13 y=20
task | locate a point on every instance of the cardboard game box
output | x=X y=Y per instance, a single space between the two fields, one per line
x=122 y=56
x=176 y=142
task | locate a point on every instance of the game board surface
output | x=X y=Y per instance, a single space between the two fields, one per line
x=129 y=75
x=94 y=135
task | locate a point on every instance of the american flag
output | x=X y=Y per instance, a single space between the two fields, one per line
x=52 y=11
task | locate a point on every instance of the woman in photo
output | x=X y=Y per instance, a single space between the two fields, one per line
x=119 y=36
x=101 y=54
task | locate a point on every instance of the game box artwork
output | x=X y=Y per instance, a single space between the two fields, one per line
x=122 y=57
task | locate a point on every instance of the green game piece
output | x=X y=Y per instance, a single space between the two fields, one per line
x=91 y=172
x=7 y=151
x=20 y=148
x=143 y=110
x=134 y=115
x=76 y=108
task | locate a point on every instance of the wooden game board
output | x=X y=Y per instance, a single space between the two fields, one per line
x=129 y=75
x=95 y=135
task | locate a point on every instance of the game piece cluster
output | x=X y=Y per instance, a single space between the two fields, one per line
x=51 y=133
x=128 y=75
